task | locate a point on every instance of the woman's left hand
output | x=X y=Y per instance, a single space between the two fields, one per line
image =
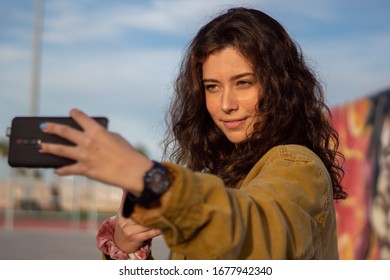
x=128 y=235
x=99 y=154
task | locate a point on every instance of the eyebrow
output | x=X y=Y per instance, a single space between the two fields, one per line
x=235 y=77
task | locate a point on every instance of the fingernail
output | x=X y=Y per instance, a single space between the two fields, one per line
x=38 y=146
x=43 y=126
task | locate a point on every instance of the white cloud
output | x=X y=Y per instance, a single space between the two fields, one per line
x=69 y=23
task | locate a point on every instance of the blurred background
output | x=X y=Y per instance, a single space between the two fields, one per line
x=118 y=59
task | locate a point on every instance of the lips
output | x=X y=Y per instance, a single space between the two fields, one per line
x=233 y=124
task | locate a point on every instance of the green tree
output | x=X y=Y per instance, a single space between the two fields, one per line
x=3 y=147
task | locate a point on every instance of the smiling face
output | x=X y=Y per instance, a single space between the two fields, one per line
x=232 y=93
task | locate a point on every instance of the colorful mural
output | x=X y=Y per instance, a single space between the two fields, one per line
x=364 y=217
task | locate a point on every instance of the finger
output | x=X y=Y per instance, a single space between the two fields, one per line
x=69 y=133
x=135 y=228
x=154 y=232
x=86 y=122
x=147 y=234
x=59 y=150
x=73 y=169
x=128 y=225
x=141 y=237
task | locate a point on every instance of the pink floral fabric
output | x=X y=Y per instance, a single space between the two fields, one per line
x=105 y=243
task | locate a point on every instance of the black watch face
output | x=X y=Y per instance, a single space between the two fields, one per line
x=157 y=180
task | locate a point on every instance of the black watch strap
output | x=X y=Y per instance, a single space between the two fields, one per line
x=156 y=182
x=128 y=206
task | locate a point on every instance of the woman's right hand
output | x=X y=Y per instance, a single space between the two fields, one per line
x=129 y=236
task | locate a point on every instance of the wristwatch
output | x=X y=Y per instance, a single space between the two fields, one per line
x=156 y=183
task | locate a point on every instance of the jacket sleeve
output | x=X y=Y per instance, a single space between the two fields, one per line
x=278 y=212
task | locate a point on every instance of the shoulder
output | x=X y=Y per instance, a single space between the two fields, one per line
x=294 y=161
x=291 y=153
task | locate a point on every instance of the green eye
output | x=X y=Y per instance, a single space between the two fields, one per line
x=244 y=83
x=211 y=88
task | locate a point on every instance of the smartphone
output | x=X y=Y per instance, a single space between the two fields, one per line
x=25 y=135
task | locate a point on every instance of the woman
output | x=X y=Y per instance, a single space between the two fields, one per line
x=254 y=163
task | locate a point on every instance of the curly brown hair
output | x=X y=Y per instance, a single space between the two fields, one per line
x=292 y=108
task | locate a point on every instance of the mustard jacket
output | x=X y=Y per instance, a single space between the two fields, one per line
x=282 y=210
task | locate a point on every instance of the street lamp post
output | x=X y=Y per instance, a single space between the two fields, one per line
x=36 y=58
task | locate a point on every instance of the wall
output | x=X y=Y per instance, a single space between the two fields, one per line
x=364 y=217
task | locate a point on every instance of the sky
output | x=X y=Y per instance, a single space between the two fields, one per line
x=119 y=58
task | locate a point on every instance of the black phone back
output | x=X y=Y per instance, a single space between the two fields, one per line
x=25 y=134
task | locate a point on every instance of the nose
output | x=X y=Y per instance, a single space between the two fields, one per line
x=228 y=101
